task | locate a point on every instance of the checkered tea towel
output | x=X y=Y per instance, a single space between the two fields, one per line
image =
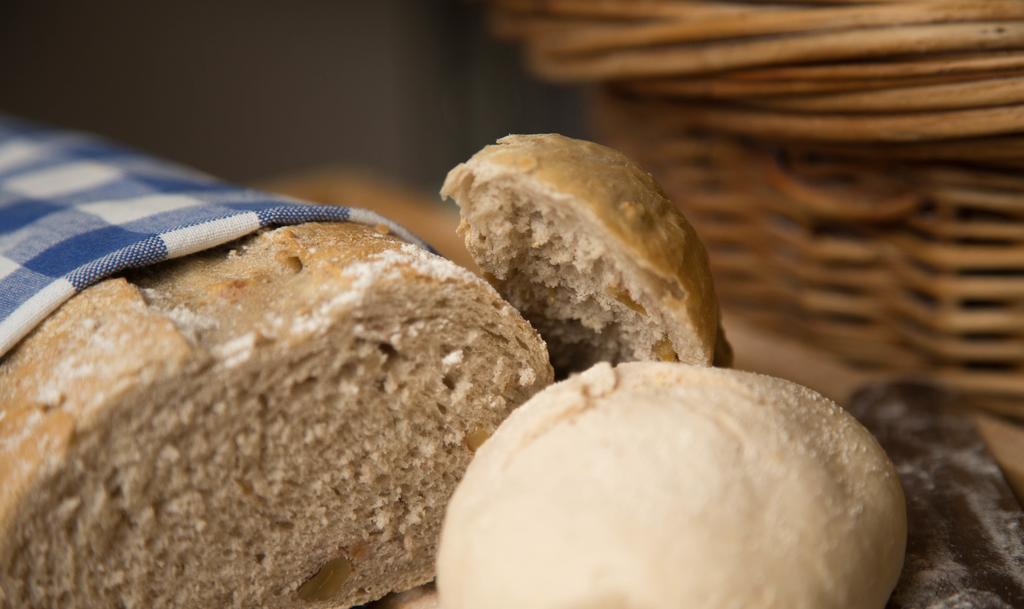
x=75 y=209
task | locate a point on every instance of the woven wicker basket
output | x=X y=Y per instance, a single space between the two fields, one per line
x=852 y=166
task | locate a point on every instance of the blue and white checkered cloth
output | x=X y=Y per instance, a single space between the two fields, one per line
x=75 y=209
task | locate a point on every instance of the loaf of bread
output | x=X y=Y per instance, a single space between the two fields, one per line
x=660 y=486
x=587 y=246
x=275 y=423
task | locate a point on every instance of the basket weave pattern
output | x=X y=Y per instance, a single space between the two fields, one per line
x=854 y=168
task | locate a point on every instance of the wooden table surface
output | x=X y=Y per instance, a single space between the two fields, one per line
x=756 y=349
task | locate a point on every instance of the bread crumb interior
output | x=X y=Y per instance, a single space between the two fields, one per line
x=552 y=267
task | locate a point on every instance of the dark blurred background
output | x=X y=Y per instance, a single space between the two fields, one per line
x=250 y=90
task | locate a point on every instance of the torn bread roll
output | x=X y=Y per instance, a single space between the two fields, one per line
x=586 y=244
x=275 y=423
x=654 y=485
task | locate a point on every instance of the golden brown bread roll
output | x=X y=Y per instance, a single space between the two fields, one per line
x=586 y=244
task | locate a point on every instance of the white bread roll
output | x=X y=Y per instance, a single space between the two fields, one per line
x=585 y=243
x=275 y=423
x=667 y=486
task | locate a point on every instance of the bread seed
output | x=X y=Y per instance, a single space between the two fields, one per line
x=663 y=349
x=328 y=581
x=476 y=437
x=622 y=295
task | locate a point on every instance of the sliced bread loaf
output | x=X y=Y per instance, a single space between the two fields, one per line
x=276 y=423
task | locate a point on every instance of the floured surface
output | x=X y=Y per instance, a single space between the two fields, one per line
x=965 y=547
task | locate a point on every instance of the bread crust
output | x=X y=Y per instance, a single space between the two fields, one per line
x=634 y=216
